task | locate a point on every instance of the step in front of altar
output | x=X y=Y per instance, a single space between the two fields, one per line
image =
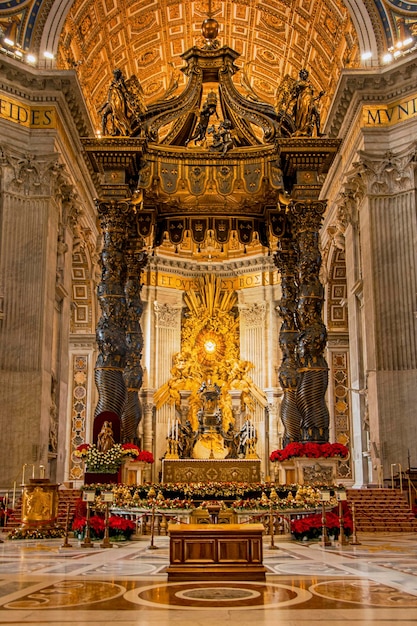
x=211 y=470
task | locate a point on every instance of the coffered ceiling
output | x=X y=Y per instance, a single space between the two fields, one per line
x=147 y=37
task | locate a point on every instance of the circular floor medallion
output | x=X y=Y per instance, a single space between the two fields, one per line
x=68 y=593
x=364 y=592
x=218 y=594
x=232 y=595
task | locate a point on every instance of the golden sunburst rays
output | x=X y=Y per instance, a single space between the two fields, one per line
x=211 y=298
x=210 y=351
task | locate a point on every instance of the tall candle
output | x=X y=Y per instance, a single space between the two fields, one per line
x=169 y=427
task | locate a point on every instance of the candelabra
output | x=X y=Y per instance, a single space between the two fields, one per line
x=251 y=449
x=172 y=452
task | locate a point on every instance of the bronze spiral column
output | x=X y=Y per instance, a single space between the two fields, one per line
x=286 y=261
x=136 y=259
x=110 y=333
x=311 y=342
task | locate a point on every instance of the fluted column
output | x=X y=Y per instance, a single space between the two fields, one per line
x=148 y=408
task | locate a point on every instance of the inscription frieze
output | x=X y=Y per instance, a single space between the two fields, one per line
x=39 y=117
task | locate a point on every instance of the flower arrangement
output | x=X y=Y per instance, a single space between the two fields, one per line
x=191 y=495
x=207 y=504
x=119 y=527
x=100 y=462
x=36 y=533
x=130 y=449
x=216 y=490
x=110 y=461
x=129 y=494
x=176 y=503
x=310 y=450
x=145 y=457
x=306 y=498
x=310 y=526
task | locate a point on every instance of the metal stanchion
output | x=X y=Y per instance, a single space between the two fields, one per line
x=88 y=496
x=271 y=529
x=354 y=541
x=152 y=546
x=106 y=540
x=341 y=497
x=325 y=497
x=273 y=496
x=66 y=544
x=152 y=494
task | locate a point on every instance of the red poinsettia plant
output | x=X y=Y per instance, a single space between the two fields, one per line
x=130 y=449
x=310 y=526
x=118 y=526
x=82 y=450
x=145 y=456
x=310 y=450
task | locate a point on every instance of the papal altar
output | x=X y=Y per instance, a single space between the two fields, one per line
x=215 y=470
x=215 y=552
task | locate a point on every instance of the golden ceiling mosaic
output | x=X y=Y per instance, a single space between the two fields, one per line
x=146 y=38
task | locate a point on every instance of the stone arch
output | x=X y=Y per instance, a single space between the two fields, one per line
x=60 y=8
x=368 y=39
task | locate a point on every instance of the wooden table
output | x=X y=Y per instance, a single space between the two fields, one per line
x=215 y=552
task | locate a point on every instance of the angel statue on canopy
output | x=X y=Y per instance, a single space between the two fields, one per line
x=296 y=99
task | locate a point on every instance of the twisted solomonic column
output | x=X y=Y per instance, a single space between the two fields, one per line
x=311 y=343
x=110 y=332
x=136 y=260
x=285 y=259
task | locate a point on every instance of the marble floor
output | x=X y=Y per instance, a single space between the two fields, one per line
x=126 y=585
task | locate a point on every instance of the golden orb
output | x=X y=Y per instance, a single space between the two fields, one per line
x=210 y=28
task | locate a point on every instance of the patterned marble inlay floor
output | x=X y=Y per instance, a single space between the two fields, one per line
x=373 y=583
